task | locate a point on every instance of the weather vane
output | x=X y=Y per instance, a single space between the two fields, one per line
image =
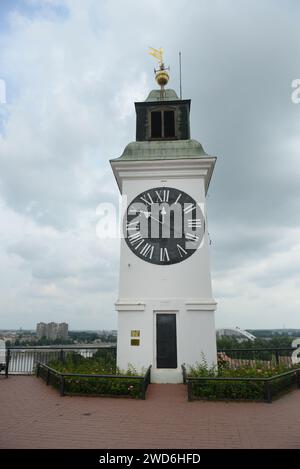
x=161 y=74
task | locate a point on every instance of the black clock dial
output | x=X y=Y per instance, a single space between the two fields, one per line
x=164 y=226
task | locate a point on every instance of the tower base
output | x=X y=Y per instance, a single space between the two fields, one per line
x=164 y=376
x=165 y=333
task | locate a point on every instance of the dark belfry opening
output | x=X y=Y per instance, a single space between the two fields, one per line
x=169 y=124
x=162 y=124
x=156 y=124
x=163 y=120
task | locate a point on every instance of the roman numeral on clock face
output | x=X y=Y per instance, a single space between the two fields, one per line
x=181 y=251
x=191 y=237
x=135 y=238
x=133 y=209
x=147 y=250
x=197 y=223
x=132 y=226
x=176 y=201
x=189 y=208
x=147 y=199
x=163 y=196
x=164 y=255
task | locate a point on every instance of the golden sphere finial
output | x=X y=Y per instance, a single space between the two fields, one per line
x=161 y=75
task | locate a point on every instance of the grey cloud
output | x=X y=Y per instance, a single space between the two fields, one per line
x=27 y=250
x=74 y=110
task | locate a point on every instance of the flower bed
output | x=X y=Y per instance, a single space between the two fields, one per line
x=247 y=383
x=85 y=376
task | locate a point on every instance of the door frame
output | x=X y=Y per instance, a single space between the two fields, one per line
x=155 y=313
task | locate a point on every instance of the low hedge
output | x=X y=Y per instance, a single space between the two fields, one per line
x=252 y=386
x=102 y=378
x=104 y=386
x=76 y=363
x=223 y=390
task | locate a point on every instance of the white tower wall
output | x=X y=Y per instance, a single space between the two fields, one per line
x=183 y=289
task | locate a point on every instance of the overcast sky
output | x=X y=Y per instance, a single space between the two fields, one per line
x=73 y=70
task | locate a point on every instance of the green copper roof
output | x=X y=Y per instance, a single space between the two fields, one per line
x=169 y=95
x=162 y=150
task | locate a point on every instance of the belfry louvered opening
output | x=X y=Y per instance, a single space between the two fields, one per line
x=163 y=124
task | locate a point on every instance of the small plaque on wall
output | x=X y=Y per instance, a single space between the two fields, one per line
x=135 y=333
x=135 y=341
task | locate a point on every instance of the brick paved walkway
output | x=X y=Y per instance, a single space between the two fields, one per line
x=35 y=416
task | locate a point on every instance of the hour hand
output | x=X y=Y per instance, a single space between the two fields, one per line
x=147 y=214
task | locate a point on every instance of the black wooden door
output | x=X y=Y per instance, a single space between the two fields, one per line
x=166 y=344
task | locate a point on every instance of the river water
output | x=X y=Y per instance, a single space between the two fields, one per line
x=24 y=361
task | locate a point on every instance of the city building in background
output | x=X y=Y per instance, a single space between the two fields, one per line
x=52 y=330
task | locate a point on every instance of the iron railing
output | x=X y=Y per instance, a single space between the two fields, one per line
x=59 y=379
x=266 y=381
x=267 y=357
x=146 y=382
x=23 y=360
x=184 y=373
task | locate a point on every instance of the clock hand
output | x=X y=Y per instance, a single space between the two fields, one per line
x=148 y=214
x=163 y=212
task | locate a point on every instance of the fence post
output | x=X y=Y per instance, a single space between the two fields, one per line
x=48 y=376
x=143 y=393
x=277 y=357
x=298 y=378
x=183 y=373
x=268 y=392
x=145 y=383
x=190 y=390
x=62 y=385
x=7 y=360
x=61 y=355
x=37 y=369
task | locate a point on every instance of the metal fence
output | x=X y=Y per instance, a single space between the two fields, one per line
x=59 y=380
x=231 y=387
x=266 y=357
x=23 y=360
x=271 y=386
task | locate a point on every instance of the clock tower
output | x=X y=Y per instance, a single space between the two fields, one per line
x=165 y=304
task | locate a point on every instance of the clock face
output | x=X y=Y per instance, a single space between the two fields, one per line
x=164 y=226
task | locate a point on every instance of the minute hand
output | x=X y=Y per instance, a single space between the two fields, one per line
x=153 y=218
x=161 y=222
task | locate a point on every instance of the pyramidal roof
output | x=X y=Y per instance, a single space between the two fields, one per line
x=155 y=95
x=162 y=150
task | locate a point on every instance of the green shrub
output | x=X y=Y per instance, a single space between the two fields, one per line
x=104 y=386
x=97 y=365
x=242 y=390
x=239 y=390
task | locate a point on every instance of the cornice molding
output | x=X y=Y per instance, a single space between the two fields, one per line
x=152 y=169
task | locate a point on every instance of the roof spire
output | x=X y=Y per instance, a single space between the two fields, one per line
x=161 y=74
